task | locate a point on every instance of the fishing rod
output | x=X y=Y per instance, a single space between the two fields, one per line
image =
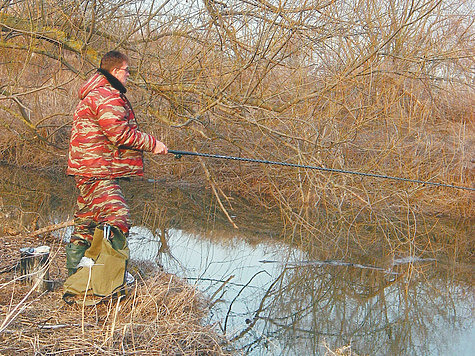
x=179 y=154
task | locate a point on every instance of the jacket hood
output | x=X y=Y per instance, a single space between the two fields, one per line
x=101 y=78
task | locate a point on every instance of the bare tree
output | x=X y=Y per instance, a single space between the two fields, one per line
x=361 y=85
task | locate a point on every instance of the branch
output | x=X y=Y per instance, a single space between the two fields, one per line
x=50 y=228
x=215 y=192
x=49 y=34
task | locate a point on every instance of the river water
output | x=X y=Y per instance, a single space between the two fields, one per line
x=275 y=298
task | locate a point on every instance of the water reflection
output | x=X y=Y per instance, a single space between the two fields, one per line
x=374 y=312
x=373 y=301
x=294 y=309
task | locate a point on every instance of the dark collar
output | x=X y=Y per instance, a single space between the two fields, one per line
x=113 y=80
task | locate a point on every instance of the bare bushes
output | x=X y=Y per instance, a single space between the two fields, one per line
x=373 y=87
x=372 y=105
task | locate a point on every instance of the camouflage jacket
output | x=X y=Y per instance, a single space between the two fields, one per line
x=105 y=140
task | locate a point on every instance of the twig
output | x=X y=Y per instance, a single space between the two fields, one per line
x=50 y=228
x=217 y=291
x=237 y=296
x=215 y=192
x=57 y=326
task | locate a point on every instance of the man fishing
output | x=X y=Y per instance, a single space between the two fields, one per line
x=105 y=146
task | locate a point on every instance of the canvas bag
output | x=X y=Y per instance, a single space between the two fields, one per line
x=89 y=285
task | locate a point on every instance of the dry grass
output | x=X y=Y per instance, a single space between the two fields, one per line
x=162 y=315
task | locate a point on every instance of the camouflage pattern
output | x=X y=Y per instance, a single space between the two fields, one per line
x=100 y=201
x=105 y=145
x=105 y=140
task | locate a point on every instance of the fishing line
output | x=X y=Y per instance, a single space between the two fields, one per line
x=178 y=154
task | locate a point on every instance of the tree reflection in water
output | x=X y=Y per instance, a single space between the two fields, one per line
x=414 y=307
x=377 y=313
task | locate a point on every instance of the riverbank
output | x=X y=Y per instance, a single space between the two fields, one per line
x=226 y=265
x=264 y=307
x=161 y=315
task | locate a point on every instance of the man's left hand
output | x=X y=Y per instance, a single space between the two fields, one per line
x=160 y=148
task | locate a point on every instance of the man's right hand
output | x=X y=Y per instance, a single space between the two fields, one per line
x=160 y=148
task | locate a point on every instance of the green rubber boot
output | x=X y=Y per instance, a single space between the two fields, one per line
x=119 y=239
x=74 y=253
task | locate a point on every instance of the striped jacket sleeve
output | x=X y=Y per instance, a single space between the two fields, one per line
x=115 y=117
